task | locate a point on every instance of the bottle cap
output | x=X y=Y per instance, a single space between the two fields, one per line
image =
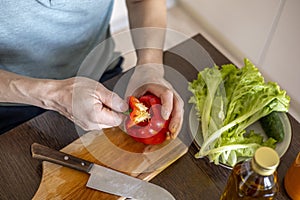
x=265 y=161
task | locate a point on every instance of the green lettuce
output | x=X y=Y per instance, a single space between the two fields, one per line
x=228 y=100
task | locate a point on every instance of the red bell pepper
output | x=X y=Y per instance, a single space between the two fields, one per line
x=145 y=123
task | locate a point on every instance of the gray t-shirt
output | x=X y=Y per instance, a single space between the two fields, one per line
x=51 y=38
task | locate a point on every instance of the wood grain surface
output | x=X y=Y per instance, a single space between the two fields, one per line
x=187 y=178
x=111 y=148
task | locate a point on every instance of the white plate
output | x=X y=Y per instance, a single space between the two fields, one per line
x=281 y=147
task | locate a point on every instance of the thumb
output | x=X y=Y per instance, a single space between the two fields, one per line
x=111 y=99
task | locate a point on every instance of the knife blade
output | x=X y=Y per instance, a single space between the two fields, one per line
x=102 y=178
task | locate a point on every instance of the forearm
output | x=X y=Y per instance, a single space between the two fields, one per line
x=147 y=19
x=20 y=89
x=82 y=100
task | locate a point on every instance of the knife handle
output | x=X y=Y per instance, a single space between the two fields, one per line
x=44 y=153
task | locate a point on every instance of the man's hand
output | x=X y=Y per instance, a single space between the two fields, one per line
x=88 y=103
x=84 y=101
x=149 y=78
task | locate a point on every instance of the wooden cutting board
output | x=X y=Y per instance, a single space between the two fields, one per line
x=110 y=148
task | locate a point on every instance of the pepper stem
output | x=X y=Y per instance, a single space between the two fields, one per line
x=127 y=112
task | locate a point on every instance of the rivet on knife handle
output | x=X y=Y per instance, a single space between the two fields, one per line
x=42 y=152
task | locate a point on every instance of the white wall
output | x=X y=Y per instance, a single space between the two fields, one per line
x=282 y=58
x=119 y=16
x=267 y=32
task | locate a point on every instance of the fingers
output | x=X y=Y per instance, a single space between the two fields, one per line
x=108 y=117
x=111 y=99
x=172 y=105
x=176 y=117
x=167 y=104
x=165 y=95
x=90 y=105
x=100 y=117
x=108 y=107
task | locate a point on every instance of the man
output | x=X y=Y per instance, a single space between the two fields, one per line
x=43 y=44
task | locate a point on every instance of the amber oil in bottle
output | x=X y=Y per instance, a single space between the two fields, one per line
x=254 y=178
x=292 y=179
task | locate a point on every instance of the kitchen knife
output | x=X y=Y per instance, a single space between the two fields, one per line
x=102 y=178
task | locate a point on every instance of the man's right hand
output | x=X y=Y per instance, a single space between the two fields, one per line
x=84 y=101
x=88 y=103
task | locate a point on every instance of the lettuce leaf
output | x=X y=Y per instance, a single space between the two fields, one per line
x=228 y=100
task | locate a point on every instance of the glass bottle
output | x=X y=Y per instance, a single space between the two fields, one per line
x=254 y=178
x=292 y=179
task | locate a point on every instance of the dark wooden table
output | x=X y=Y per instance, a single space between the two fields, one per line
x=187 y=179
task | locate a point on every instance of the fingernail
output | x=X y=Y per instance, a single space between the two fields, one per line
x=118 y=119
x=118 y=122
x=165 y=114
x=123 y=107
x=168 y=137
x=173 y=131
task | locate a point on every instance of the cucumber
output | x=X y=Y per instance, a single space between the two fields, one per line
x=272 y=125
